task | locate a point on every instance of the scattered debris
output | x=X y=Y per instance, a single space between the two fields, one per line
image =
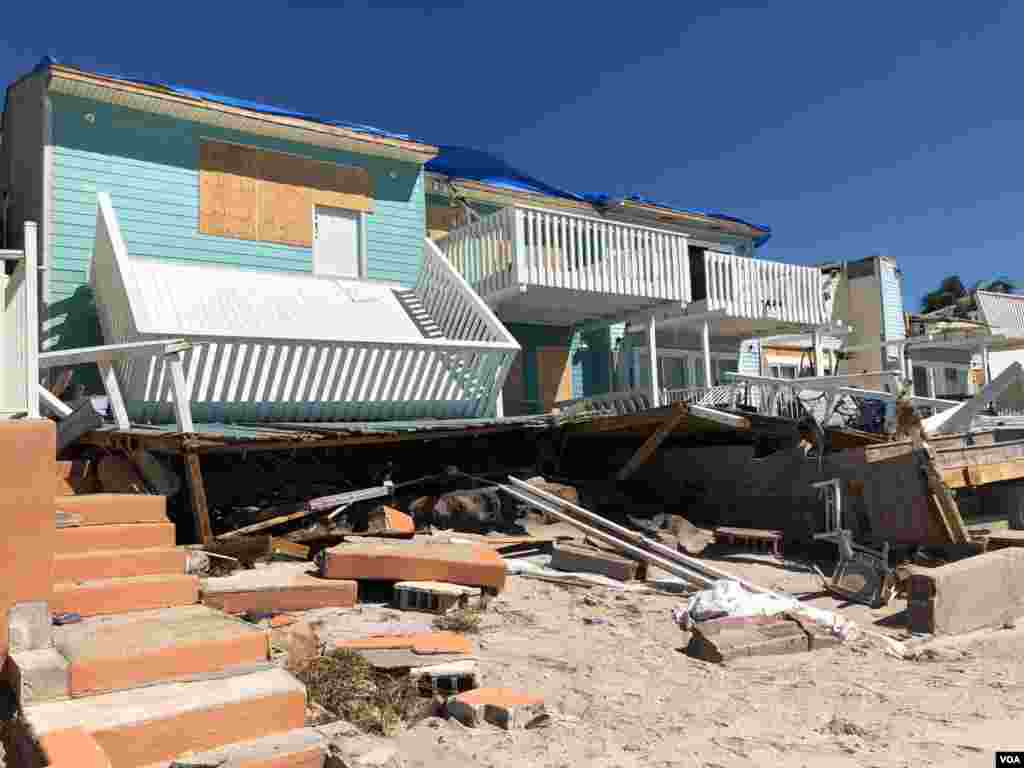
x=467 y=564
x=757 y=538
x=862 y=575
x=435 y=596
x=580 y=558
x=463 y=620
x=388 y=521
x=502 y=707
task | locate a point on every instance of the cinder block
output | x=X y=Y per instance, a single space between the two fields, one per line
x=29 y=626
x=502 y=707
x=980 y=591
x=720 y=640
x=38 y=676
x=581 y=559
x=114 y=508
x=433 y=596
x=277 y=587
x=447 y=679
x=129 y=536
x=147 y=725
x=119 y=563
x=466 y=564
x=139 y=593
x=388 y=521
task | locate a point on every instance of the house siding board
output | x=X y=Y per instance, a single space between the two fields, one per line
x=530 y=338
x=149 y=165
x=892 y=303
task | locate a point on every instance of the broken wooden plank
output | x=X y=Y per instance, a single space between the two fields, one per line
x=651 y=444
x=197 y=490
x=249 y=549
x=265 y=524
x=983 y=474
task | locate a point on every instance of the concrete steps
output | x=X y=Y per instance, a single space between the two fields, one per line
x=119 y=563
x=301 y=748
x=86 y=538
x=113 y=508
x=112 y=653
x=137 y=593
x=145 y=726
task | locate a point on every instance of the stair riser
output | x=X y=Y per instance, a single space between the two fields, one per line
x=121 y=597
x=105 y=537
x=114 y=508
x=118 y=565
x=96 y=675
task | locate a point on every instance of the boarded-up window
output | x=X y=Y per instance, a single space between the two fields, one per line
x=442 y=219
x=254 y=194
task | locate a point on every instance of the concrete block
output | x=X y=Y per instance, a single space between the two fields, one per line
x=466 y=564
x=114 y=508
x=27 y=524
x=277 y=587
x=388 y=521
x=138 y=593
x=720 y=640
x=301 y=748
x=980 y=591
x=37 y=676
x=29 y=626
x=576 y=558
x=159 y=722
x=111 y=653
x=410 y=651
x=119 y=563
x=73 y=748
x=129 y=536
x=447 y=679
x=433 y=596
x=502 y=707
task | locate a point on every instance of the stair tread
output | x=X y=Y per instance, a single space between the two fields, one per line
x=151 y=578
x=307 y=745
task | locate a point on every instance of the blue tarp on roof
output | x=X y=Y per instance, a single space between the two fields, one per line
x=477 y=165
x=267 y=109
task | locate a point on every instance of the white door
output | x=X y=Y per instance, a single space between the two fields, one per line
x=336 y=245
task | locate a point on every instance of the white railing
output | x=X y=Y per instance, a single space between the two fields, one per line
x=697 y=395
x=753 y=288
x=329 y=375
x=521 y=246
x=19 y=329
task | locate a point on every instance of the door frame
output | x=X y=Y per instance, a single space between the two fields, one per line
x=361 y=265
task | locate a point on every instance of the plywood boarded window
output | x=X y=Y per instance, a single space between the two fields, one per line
x=254 y=194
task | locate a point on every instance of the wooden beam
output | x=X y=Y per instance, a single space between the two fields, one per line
x=53 y=403
x=651 y=444
x=111 y=352
x=983 y=474
x=179 y=394
x=197 y=489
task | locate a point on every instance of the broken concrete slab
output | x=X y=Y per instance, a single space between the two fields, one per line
x=113 y=653
x=433 y=596
x=29 y=626
x=577 y=558
x=719 y=640
x=466 y=564
x=277 y=587
x=37 y=676
x=348 y=747
x=502 y=707
x=159 y=722
x=300 y=748
x=389 y=522
x=980 y=591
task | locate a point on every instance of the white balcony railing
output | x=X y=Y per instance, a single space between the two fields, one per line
x=532 y=247
x=756 y=289
x=19 y=329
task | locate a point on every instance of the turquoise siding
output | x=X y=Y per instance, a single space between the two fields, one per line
x=149 y=165
x=530 y=338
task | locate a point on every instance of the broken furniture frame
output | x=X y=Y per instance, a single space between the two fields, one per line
x=862 y=574
x=831 y=491
x=105 y=357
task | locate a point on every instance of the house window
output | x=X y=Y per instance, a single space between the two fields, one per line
x=254 y=194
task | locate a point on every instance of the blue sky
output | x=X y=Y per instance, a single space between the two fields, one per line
x=851 y=129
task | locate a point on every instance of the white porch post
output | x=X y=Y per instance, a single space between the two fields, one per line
x=652 y=353
x=984 y=366
x=705 y=340
x=819 y=367
x=931 y=381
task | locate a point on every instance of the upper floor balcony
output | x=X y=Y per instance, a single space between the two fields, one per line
x=561 y=268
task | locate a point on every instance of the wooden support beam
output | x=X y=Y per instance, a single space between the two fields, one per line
x=651 y=444
x=111 y=352
x=983 y=474
x=53 y=403
x=197 y=489
x=179 y=393
x=117 y=407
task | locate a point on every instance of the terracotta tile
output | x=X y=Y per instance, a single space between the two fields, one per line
x=455 y=563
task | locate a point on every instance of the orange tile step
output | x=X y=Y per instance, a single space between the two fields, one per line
x=143 y=726
x=112 y=653
x=119 y=563
x=114 y=508
x=131 y=536
x=137 y=593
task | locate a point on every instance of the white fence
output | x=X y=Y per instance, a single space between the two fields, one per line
x=527 y=246
x=333 y=373
x=19 y=329
x=755 y=288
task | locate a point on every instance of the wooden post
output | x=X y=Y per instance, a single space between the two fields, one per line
x=197 y=489
x=819 y=367
x=179 y=394
x=650 y=445
x=705 y=340
x=931 y=381
x=117 y=407
x=652 y=353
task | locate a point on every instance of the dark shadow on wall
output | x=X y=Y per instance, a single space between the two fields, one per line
x=73 y=323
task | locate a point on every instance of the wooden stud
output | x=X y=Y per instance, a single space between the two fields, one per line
x=651 y=444
x=197 y=489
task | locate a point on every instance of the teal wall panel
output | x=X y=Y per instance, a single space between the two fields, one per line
x=149 y=166
x=530 y=337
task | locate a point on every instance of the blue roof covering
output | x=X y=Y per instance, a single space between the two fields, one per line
x=255 y=106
